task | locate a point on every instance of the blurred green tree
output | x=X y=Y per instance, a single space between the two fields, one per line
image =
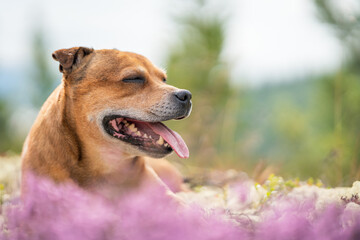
x=344 y=18
x=338 y=97
x=41 y=84
x=319 y=137
x=195 y=63
x=329 y=145
x=4 y=126
x=43 y=80
x=339 y=94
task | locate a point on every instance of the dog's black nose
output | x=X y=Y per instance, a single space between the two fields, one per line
x=183 y=96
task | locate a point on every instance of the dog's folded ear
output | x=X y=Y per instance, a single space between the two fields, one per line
x=70 y=57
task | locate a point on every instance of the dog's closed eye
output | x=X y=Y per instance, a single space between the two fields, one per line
x=137 y=79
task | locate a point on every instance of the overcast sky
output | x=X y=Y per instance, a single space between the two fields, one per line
x=267 y=40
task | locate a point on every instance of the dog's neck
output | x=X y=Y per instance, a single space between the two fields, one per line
x=49 y=149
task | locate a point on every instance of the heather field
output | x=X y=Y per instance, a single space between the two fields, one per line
x=240 y=209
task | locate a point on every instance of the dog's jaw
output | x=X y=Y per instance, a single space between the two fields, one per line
x=140 y=144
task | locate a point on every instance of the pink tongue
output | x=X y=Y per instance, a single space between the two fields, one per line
x=173 y=138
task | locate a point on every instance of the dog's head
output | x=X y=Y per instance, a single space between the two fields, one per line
x=120 y=98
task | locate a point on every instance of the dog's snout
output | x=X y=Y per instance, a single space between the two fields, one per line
x=183 y=96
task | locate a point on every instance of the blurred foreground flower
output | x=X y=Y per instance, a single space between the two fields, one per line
x=65 y=211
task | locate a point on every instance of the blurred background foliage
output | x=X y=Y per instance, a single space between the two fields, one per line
x=195 y=63
x=303 y=128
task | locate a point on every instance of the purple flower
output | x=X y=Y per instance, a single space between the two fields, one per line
x=65 y=211
x=58 y=212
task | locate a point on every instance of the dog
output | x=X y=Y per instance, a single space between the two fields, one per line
x=101 y=127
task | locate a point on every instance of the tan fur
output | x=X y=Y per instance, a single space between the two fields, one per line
x=66 y=142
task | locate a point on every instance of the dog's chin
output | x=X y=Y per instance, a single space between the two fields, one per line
x=139 y=151
x=138 y=139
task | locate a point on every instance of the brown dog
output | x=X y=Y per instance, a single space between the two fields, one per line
x=98 y=125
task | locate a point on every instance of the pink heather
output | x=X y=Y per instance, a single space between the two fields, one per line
x=66 y=212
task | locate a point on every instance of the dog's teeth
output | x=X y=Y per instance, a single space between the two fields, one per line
x=132 y=128
x=160 y=141
x=118 y=120
x=145 y=136
x=113 y=124
x=150 y=137
x=138 y=133
x=166 y=144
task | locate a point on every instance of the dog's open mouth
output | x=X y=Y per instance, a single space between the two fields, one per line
x=150 y=136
